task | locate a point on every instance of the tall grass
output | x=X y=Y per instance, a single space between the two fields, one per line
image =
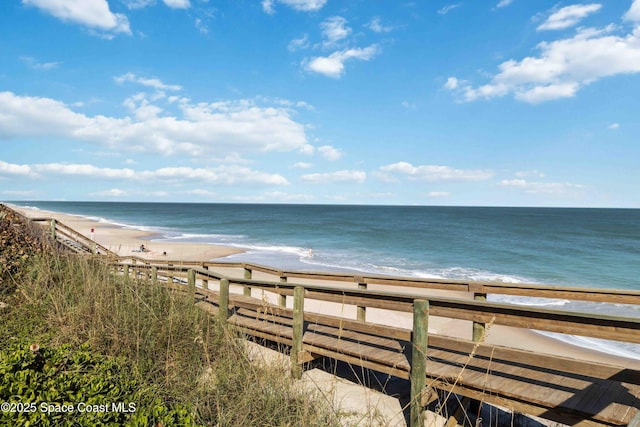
x=176 y=348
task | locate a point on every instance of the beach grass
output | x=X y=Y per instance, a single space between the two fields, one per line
x=174 y=349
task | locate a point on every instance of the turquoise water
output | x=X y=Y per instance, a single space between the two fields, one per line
x=556 y=246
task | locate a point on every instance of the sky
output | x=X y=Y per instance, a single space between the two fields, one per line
x=385 y=102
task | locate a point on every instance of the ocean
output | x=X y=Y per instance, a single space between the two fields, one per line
x=575 y=247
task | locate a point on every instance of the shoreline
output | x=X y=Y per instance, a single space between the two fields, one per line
x=126 y=241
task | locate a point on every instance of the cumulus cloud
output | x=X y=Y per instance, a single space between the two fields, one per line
x=633 y=14
x=13 y=169
x=300 y=43
x=329 y=152
x=177 y=4
x=334 y=29
x=223 y=174
x=504 y=3
x=533 y=187
x=569 y=16
x=333 y=65
x=562 y=68
x=376 y=26
x=204 y=129
x=149 y=82
x=94 y=14
x=435 y=172
x=268 y=6
x=343 y=176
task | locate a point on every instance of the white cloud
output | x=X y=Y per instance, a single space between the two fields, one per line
x=304 y=5
x=268 y=6
x=94 y=14
x=13 y=169
x=149 y=82
x=343 y=176
x=561 y=69
x=205 y=129
x=504 y=3
x=435 y=172
x=224 y=174
x=31 y=62
x=297 y=44
x=551 y=188
x=633 y=14
x=334 y=29
x=614 y=126
x=569 y=16
x=138 y=4
x=329 y=152
x=301 y=165
x=534 y=172
x=446 y=9
x=333 y=65
x=177 y=4
x=375 y=26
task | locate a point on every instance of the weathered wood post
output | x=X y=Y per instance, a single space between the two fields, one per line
x=418 y=374
x=169 y=275
x=191 y=282
x=53 y=229
x=479 y=328
x=361 y=312
x=223 y=308
x=126 y=271
x=298 y=325
x=205 y=279
x=246 y=290
x=154 y=275
x=282 y=299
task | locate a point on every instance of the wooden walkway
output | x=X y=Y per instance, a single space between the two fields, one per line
x=568 y=391
x=559 y=389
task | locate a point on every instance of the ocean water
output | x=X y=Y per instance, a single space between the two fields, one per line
x=597 y=248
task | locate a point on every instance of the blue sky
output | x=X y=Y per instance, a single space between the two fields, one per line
x=483 y=102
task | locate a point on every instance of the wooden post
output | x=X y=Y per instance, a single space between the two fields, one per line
x=361 y=312
x=418 y=374
x=246 y=290
x=154 y=275
x=53 y=229
x=126 y=271
x=298 y=325
x=479 y=329
x=205 y=279
x=191 y=282
x=282 y=299
x=223 y=308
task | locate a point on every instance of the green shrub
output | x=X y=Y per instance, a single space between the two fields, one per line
x=78 y=387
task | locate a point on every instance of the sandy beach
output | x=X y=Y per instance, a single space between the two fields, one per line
x=126 y=242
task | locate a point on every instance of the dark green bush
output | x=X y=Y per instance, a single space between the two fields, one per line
x=87 y=388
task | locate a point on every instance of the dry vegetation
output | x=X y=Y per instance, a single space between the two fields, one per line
x=176 y=352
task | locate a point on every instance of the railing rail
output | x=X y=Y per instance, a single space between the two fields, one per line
x=359 y=294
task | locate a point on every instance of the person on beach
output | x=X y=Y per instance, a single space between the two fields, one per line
x=142 y=248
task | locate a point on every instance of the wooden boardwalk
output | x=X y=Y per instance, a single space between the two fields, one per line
x=568 y=391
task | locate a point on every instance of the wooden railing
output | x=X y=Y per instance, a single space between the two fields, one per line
x=235 y=286
x=215 y=287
